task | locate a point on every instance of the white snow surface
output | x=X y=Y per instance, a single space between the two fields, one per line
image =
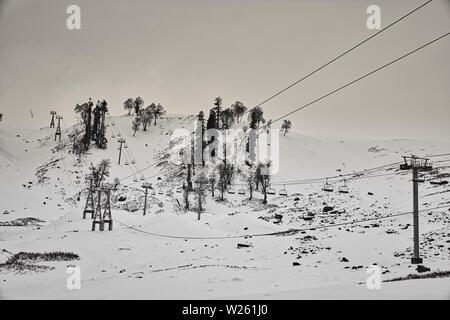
x=169 y=254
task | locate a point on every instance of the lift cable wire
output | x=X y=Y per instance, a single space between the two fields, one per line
x=357 y=79
x=341 y=55
x=280 y=233
x=132 y=157
x=344 y=86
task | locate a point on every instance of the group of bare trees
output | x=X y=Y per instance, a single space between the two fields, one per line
x=100 y=172
x=220 y=118
x=143 y=116
x=94 y=128
x=256 y=177
x=220 y=177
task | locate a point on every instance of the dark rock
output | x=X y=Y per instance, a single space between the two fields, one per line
x=420 y=268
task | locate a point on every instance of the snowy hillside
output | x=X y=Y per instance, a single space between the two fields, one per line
x=240 y=247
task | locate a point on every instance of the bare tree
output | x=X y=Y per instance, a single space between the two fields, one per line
x=158 y=112
x=256 y=117
x=100 y=172
x=128 y=105
x=225 y=172
x=227 y=117
x=262 y=175
x=218 y=106
x=137 y=104
x=136 y=124
x=201 y=181
x=286 y=126
x=146 y=116
x=186 y=197
x=238 y=109
x=249 y=179
x=212 y=182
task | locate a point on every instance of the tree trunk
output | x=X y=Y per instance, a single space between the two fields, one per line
x=134 y=133
x=155 y=121
x=199 y=206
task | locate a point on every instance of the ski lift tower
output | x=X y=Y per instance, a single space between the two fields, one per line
x=121 y=141
x=58 y=128
x=90 y=205
x=416 y=164
x=146 y=186
x=52 y=122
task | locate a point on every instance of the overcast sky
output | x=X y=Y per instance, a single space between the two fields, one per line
x=185 y=53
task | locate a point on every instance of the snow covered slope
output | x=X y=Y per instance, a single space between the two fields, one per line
x=170 y=254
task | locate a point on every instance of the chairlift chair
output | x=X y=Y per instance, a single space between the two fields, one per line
x=438 y=181
x=160 y=192
x=153 y=193
x=125 y=146
x=169 y=193
x=113 y=136
x=133 y=161
x=135 y=179
x=271 y=191
x=142 y=178
x=328 y=187
x=241 y=191
x=343 y=188
x=231 y=191
x=127 y=163
x=283 y=192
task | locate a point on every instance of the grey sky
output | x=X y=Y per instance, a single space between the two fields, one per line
x=184 y=53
